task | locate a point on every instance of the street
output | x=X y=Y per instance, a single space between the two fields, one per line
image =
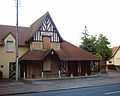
x=70 y=86
x=108 y=90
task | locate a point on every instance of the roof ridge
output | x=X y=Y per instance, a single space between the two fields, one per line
x=13 y=26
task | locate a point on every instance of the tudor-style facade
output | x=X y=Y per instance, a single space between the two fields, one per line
x=46 y=55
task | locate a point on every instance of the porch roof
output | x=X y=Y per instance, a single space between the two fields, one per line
x=71 y=52
x=67 y=52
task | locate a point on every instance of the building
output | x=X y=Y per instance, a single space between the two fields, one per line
x=116 y=56
x=43 y=53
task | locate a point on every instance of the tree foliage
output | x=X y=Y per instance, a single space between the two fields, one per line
x=97 y=45
x=89 y=44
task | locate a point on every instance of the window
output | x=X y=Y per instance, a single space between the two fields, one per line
x=47 y=65
x=9 y=46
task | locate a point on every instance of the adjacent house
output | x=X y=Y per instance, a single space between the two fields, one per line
x=116 y=55
x=43 y=53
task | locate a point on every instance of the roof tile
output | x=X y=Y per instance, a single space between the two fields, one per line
x=6 y=29
x=67 y=52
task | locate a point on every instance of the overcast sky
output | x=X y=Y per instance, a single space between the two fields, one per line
x=70 y=16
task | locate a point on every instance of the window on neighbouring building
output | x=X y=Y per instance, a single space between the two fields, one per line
x=9 y=46
x=47 y=65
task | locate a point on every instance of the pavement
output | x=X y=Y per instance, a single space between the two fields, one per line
x=12 y=87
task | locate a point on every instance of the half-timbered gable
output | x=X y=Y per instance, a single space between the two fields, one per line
x=44 y=35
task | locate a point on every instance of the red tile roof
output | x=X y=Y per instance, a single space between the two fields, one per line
x=34 y=55
x=74 y=53
x=67 y=52
x=114 y=50
x=6 y=29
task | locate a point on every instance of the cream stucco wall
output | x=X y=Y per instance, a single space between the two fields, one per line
x=36 y=45
x=55 y=46
x=39 y=46
x=6 y=58
x=116 y=58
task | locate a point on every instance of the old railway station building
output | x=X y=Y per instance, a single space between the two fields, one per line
x=43 y=53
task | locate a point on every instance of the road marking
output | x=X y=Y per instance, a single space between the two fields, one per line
x=114 y=92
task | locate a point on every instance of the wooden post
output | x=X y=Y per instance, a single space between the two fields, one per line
x=59 y=74
x=24 y=74
x=42 y=76
x=71 y=75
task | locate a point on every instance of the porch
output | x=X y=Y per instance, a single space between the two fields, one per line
x=56 y=69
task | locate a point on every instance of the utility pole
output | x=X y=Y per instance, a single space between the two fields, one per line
x=17 y=51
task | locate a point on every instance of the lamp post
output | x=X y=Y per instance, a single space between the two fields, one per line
x=17 y=53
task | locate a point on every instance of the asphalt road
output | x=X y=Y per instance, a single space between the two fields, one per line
x=108 y=90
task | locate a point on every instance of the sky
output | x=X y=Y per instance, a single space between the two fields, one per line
x=69 y=16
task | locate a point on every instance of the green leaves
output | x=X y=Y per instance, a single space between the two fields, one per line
x=97 y=45
x=89 y=44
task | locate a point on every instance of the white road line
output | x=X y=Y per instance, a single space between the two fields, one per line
x=114 y=92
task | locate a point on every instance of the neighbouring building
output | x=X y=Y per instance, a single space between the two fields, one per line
x=43 y=53
x=116 y=56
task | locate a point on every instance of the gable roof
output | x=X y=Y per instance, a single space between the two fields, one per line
x=36 y=25
x=7 y=35
x=115 y=49
x=67 y=52
x=37 y=54
x=6 y=29
x=75 y=53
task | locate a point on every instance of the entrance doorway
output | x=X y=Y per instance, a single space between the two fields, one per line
x=85 y=68
x=72 y=68
x=12 y=69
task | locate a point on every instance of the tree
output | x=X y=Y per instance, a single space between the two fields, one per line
x=103 y=48
x=98 y=46
x=89 y=44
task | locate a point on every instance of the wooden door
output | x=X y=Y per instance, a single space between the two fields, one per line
x=72 y=68
x=85 y=68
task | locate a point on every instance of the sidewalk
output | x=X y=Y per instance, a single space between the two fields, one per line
x=14 y=87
